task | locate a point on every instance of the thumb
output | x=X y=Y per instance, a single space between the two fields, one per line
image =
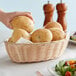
x=9 y=26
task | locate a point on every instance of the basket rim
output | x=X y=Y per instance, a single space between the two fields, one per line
x=67 y=36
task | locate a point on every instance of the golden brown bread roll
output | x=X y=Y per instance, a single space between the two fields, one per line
x=41 y=35
x=17 y=34
x=58 y=34
x=23 y=22
x=53 y=25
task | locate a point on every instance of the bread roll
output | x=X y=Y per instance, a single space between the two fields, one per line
x=17 y=34
x=23 y=22
x=58 y=34
x=53 y=25
x=41 y=35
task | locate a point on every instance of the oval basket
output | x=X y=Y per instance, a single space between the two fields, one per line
x=36 y=52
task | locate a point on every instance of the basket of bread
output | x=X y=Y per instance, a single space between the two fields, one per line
x=42 y=44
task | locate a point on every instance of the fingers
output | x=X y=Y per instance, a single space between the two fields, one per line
x=28 y=14
x=22 y=13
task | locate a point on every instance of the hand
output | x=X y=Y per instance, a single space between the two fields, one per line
x=5 y=18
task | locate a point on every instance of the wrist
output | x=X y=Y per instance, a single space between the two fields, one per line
x=1 y=15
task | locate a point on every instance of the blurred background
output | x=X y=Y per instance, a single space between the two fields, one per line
x=36 y=7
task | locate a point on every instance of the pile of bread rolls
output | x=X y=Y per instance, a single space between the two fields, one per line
x=23 y=26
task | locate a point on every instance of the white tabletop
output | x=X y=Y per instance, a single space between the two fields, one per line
x=8 y=68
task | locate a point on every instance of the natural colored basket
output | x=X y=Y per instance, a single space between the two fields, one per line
x=37 y=51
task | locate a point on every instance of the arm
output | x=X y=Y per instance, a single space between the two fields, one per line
x=1 y=15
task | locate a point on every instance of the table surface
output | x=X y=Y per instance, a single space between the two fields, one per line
x=8 y=68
